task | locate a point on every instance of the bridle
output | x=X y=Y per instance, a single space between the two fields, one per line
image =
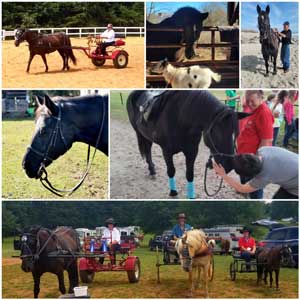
x=214 y=151
x=58 y=132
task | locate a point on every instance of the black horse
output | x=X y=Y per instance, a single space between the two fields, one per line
x=187 y=18
x=62 y=122
x=37 y=244
x=42 y=44
x=268 y=38
x=177 y=122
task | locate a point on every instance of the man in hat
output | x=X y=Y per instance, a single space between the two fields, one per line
x=180 y=228
x=113 y=238
x=286 y=40
x=108 y=37
x=247 y=246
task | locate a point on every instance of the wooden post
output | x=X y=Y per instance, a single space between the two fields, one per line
x=213 y=49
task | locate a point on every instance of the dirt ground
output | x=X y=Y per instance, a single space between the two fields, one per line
x=129 y=173
x=83 y=75
x=253 y=65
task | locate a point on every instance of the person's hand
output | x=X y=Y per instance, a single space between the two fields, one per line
x=219 y=169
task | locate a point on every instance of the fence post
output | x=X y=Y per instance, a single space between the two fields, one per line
x=213 y=50
x=140 y=31
x=125 y=32
x=80 y=32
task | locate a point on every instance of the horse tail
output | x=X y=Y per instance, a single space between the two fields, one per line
x=70 y=51
x=215 y=76
x=134 y=114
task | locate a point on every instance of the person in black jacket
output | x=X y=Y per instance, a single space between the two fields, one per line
x=286 y=40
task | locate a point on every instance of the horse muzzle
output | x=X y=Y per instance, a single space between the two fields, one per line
x=27 y=266
x=17 y=43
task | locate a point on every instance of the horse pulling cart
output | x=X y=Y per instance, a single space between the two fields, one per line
x=171 y=258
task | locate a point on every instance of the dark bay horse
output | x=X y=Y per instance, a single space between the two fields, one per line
x=268 y=38
x=177 y=122
x=42 y=44
x=62 y=122
x=187 y=18
x=37 y=243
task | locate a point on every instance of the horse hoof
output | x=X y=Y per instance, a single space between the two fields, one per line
x=152 y=176
x=266 y=75
x=173 y=193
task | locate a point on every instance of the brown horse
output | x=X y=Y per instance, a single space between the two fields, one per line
x=195 y=254
x=42 y=44
x=37 y=244
x=225 y=246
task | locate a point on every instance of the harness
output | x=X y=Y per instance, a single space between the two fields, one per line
x=58 y=132
x=214 y=151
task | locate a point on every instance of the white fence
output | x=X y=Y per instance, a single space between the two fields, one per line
x=83 y=31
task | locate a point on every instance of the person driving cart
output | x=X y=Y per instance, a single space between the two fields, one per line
x=112 y=237
x=108 y=37
x=247 y=247
x=181 y=227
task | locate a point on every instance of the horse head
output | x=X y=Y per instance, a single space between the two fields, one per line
x=51 y=139
x=20 y=35
x=221 y=135
x=27 y=244
x=263 y=22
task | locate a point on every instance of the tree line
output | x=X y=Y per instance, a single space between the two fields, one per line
x=153 y=217
x=71 y=14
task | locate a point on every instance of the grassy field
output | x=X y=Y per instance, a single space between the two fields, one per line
x=118 y=111
x=64 y=173
x=17 y=284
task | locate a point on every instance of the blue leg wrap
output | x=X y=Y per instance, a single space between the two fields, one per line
x=172 y=184
x=190 y=190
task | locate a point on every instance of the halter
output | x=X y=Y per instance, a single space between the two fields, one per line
x=215 y=152
x=57 y=131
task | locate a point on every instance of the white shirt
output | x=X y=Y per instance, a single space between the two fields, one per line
x=113 y=235
x=108 y=35
x=279 y=109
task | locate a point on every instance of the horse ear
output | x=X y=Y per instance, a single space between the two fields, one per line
x=258 y=9
x=268 y=9
x=242 y=115
x=50 y=104
x=39 y=100
x=204 y=16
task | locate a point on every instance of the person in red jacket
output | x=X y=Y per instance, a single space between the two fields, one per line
x=247 y=246
x=257 y=130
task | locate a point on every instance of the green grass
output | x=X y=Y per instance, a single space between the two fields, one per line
x=64 y=173
x=174 y=283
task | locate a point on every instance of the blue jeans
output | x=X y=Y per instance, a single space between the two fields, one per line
x=285 y=56
x=259 y=194
x=275 y=135
x=288 y=132
x=246 y=256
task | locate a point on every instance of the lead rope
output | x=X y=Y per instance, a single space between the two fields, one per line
x=207 y=166
x=63 y=192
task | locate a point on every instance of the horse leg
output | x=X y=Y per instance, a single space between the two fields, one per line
x=191 y=283
x=73 y=276
x=63 y=56
x=274 y=65
x=277 y=278
x=271 y=278
x=171 y=173
x=205 y=277
x=267 y=66
x=61 y=283
x=31 y=56
x=37 y=280
x=45 y=61
x=190 y=158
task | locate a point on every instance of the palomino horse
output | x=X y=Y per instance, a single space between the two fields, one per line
x=37 y=244
x=195 y=254
x=42 y=44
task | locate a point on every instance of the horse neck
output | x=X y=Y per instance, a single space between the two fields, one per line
x=30 y=36
x=86 y=119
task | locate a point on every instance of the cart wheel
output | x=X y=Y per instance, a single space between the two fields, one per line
x=121 y=60
x=134 y=275
x=232 y=271
x=98 y=62
x=211 y=270
x=86 y=276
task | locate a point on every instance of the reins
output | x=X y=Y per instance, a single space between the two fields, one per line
x=208 y=164
x=89 y=160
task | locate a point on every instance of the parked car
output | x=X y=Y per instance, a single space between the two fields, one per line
x=284 y=236
x=159 y=241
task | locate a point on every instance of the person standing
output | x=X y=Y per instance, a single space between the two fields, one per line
x=277 y=111
x=231 y=98
x=257 y=132
x=286 y=40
